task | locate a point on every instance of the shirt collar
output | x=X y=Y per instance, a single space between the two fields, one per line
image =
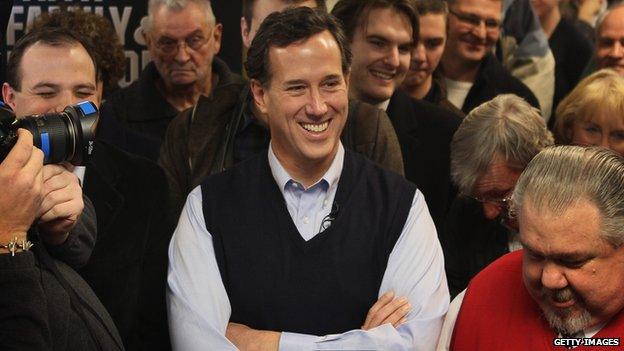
x=331 y=177
x=383 y=105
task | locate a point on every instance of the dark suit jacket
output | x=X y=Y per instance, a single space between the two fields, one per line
x=128 y=267
x=493 y=79
x=425 y=131
x=470 y=242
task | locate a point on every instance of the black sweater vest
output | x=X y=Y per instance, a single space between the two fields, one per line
x=274 y=279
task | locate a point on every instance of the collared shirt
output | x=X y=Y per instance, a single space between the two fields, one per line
x=199 y=309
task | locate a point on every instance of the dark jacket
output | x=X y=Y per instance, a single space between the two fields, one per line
x=470 y=242
x=437 y=95
x=127 y=269
x=493 y=79
x=200 y=141
x=141 y=107
x=45 y=305
x=425 y=132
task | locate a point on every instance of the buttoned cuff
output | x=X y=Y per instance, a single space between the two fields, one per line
x=297 y=342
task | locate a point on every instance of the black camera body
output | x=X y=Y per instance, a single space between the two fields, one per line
x=64 y=136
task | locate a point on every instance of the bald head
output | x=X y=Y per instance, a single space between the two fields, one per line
x=610 y=39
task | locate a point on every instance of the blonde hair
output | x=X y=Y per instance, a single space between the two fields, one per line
x=601 y=92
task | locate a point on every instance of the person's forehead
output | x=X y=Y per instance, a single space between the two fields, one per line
x=484 y=8
x=172 y=22
x=386 y=20
x=575 y=230
x=287 y=63
x=613 y=24
x=64 y=63
x=432 y=24
x=499 y=176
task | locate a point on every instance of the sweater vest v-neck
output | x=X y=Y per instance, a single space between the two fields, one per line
x=275 y=280
x=497 y=313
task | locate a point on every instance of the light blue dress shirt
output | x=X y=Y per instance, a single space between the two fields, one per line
x=199 y=308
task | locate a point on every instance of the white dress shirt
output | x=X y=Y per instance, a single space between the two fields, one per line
x=199 y=309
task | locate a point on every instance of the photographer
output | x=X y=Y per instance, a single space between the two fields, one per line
x=45 y=303
x=49 y=69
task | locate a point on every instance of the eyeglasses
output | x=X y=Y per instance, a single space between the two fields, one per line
x=475 y=21
x=501 y=202
x=168 y=46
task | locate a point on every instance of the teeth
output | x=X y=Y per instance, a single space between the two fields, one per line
x=382 y=75
x=317 y=128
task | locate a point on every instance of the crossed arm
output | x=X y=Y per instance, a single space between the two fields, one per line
x=199 y=308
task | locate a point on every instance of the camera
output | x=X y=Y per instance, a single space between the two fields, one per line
x=64 y=136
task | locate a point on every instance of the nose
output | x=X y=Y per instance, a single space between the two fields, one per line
x=616 y=50
x=479 y=30
x=63 y=100
x=182 y=54
x=552 y=277
x=490 y=210
x=418 y=54
x=316 y=106
x=392 y=59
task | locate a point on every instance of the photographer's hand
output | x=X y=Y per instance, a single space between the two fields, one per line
x=21 y=179
x=61 y=206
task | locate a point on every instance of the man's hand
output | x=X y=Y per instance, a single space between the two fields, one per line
x=247 y=339
x=21 y=179
x=387 y=310
x=61 y=206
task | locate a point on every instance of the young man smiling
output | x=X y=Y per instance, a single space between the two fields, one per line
x=383 y=34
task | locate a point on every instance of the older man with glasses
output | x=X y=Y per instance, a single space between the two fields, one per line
x=470 y=71
x=489 y=151
x=183 y=38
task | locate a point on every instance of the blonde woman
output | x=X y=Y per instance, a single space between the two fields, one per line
x=593 y=113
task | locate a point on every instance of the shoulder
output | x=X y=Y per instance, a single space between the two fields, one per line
x=113 y=161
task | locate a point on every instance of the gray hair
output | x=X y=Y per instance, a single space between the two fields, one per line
x=562 y=176
x=507 y=125
x=604 y=15
x=175 y=5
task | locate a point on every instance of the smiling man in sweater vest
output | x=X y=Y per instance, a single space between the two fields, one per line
x=290 y=249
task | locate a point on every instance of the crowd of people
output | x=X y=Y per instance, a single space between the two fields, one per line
x=383 y=175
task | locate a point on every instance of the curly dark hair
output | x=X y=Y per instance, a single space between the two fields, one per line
x=109 y=53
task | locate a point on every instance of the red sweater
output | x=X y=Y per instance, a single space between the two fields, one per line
x=498 y=313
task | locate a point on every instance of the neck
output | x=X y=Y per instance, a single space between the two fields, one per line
x=460 y=70
x=421 y=90
x=306 y=172
x=185 y=96
x=550 y=21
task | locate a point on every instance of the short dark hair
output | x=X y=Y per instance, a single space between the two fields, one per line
x=49 y=36
x=281 y=29
x=111 y=59
x=354 y=13
x=432 y=7
x=249 y=4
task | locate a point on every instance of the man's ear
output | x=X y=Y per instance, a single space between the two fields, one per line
x=8 y=95
x=217 y=33
x=259 y=95
x=245 y=29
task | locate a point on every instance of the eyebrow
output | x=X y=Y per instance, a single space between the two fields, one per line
x=569 y=256
x=384 y=39
x=195 y=32
x=46 y=85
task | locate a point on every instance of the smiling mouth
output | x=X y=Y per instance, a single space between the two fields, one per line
x=382 y=75
x=315 y=128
